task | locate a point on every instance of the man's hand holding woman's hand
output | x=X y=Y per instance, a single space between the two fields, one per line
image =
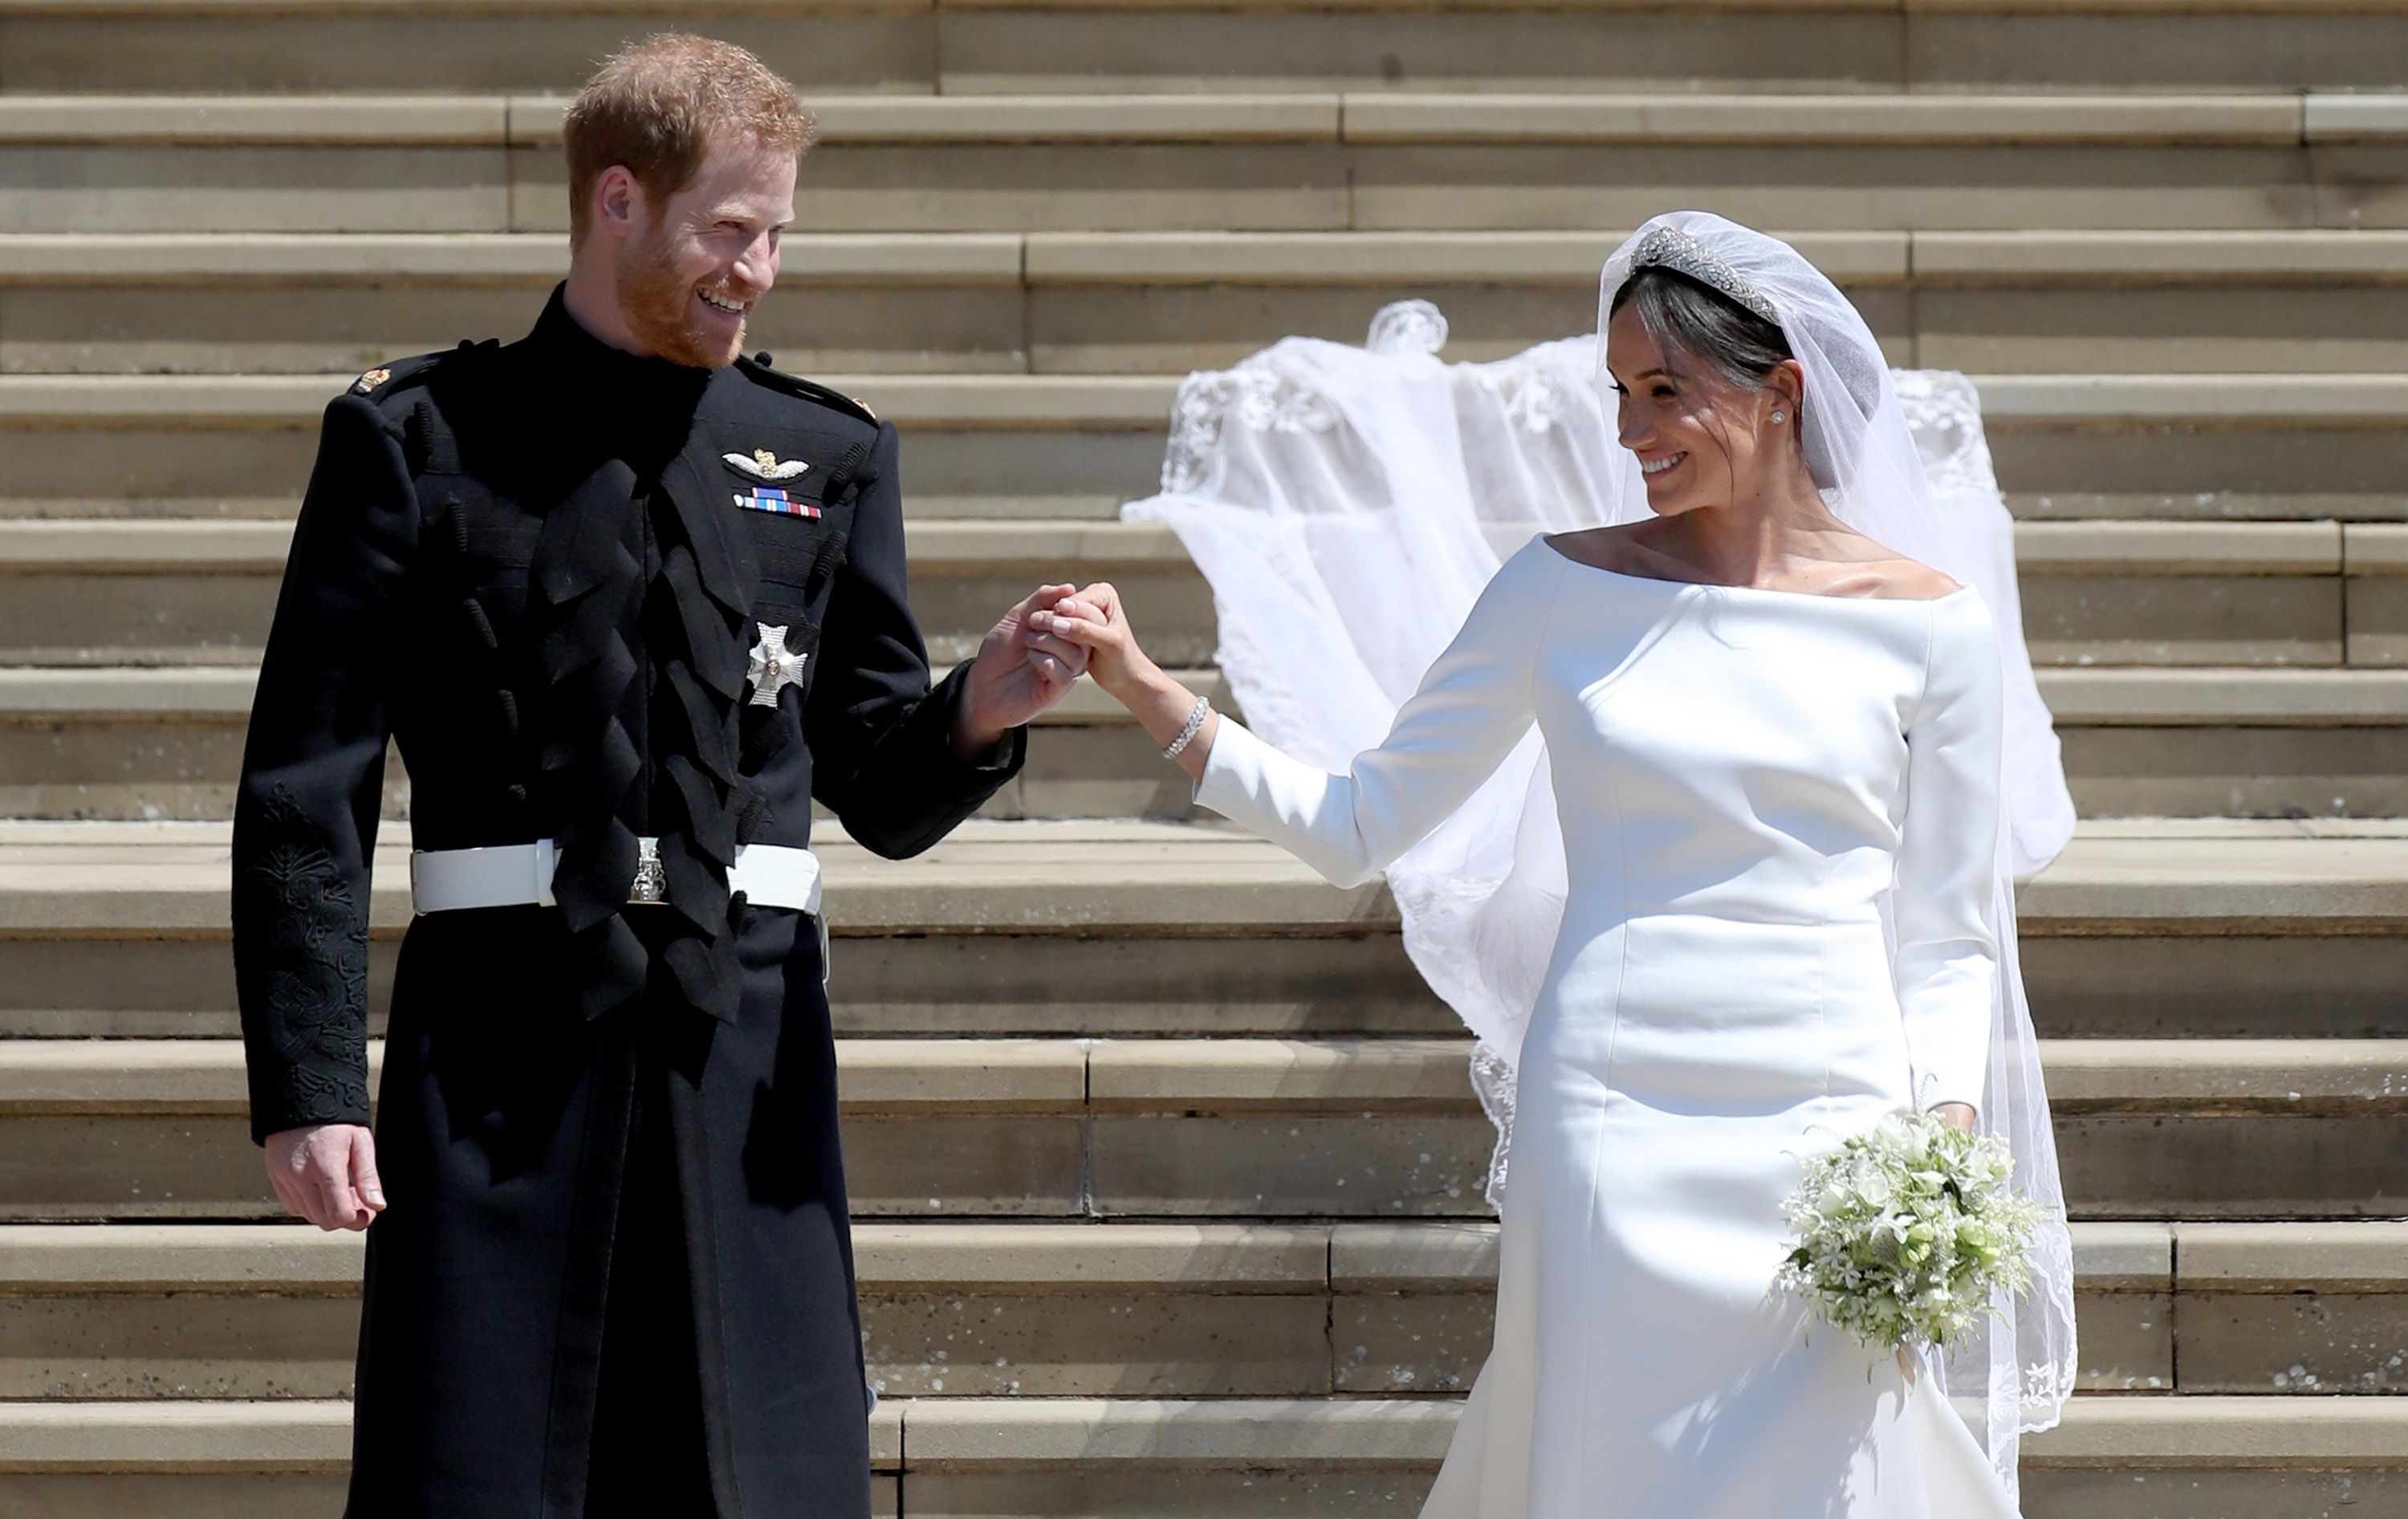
x=327 y=1174
x=1095 y=623
x=1020 y=670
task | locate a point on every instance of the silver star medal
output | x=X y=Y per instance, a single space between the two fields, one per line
x=774 y=668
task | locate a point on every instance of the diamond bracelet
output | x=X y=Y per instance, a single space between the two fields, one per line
x=1194 y=724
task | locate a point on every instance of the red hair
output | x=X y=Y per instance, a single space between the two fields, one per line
x=657 y=107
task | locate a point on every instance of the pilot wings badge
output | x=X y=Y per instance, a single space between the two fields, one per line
x=763 y=465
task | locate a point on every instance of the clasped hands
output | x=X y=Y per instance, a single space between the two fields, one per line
x=1060 y=633
x=1021 y=669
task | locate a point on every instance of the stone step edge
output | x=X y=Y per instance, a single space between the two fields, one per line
x=946 y=546
x=2289 y=118
x=143 y=881
x=982 y=1435
x=1142 y=403
x=2254 y=696
x=1241 y=1259
x=1080 y=1075
x=163 y=1436
x=2098 y=1431
x=1037 y=259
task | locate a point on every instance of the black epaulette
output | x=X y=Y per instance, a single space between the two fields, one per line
x=398 y=390
x=757 y=369
x=389 y=379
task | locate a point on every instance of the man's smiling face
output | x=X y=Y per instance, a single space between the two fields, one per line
x=687 y=282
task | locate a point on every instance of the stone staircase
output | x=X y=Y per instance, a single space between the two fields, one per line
x=1165 y=1162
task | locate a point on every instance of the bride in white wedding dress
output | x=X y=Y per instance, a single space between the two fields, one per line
x=1775 y=746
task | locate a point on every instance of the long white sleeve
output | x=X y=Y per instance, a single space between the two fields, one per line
x=1947 y=862
x=1473 y=707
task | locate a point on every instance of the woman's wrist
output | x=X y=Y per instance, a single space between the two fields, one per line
x=1139 y=681
x=1161 y=705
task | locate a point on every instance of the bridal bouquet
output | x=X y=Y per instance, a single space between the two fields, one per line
x=1904 y=1233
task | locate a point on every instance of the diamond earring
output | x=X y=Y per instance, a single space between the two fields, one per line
x=1780 y=417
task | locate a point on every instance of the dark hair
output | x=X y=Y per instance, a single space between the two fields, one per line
x=1693 y=320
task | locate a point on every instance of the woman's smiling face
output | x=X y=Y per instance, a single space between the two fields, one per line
x=1699 y=439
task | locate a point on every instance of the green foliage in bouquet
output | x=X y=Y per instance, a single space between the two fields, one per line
x=1904 y=1233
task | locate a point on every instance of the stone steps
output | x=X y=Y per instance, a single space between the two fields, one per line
x=2210 y=875
x=957 y=47
x=259 y=1460
x=206 y=1310
x=2229 y=742
x=2071 y=446
x=100 y=593
x=1070 y=302
x=1284 y=161
x=1038 y=198
x=1010 y=1310
x=2213 y=930
x=124 y=743
x=1256 y=1128
x=203 y=593
x=1231 y=1458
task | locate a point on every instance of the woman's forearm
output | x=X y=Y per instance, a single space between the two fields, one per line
x=1162 y=706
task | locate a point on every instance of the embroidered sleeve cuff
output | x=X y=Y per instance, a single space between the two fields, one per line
x=300 y=1097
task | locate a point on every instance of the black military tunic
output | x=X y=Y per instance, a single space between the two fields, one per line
x=614 y=1274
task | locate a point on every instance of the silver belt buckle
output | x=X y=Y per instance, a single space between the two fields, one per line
x=652 y=883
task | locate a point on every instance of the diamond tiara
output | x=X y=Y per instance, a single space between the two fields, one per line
x=1673 y=249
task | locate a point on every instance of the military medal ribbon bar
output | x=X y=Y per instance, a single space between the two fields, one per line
x=770 y=498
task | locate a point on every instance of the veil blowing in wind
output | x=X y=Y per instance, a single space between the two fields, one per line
x=1358 y=499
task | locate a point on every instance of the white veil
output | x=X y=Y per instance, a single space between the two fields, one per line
x=1356 y=499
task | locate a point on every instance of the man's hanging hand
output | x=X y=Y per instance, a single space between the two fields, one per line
x=327 y=1174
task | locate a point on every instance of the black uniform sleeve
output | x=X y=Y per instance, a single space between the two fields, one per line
x=313 y=779
x=880 y=740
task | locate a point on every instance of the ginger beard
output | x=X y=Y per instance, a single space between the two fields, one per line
x=662 y=308
x=684 y=268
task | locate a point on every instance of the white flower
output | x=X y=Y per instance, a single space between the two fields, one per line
x=1906 y=1234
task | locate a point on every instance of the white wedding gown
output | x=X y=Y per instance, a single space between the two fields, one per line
x=1739 y=774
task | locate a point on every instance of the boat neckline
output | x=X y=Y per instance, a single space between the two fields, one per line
x=1753 y=590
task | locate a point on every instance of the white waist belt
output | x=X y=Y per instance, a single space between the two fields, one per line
x=517 y=875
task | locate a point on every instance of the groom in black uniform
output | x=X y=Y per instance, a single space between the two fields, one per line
x=628 y=602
